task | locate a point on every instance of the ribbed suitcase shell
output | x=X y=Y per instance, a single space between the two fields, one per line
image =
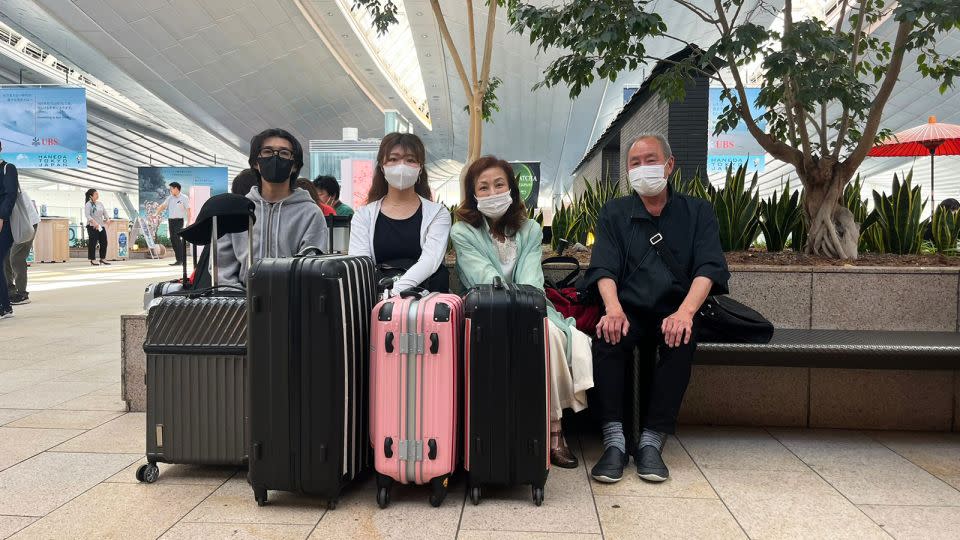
x=309 y=355
x=196 y=380
x=415 y=369
x=507 y=386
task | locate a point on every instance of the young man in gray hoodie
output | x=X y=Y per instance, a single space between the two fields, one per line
x=288 y=219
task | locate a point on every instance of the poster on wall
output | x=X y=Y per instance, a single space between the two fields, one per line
x=197 y=183
x=44 y=126
x=356 y=177
x=737 y=146
x=528 y=178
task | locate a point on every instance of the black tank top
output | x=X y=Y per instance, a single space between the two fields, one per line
x=395 y=239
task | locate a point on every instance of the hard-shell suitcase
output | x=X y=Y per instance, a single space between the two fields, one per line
x=309 y=351
x=507 y=370
x=196 y=347
x=414 y=391
x=196 y=363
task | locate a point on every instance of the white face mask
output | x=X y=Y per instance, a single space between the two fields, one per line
x=648 y=180
x=495 y=206
x=401 y=176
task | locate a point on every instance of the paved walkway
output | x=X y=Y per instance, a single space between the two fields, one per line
x=68 y=454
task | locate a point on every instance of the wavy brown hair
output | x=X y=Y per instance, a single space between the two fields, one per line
x=410 y=143
x=308 y=186
x=515 y=216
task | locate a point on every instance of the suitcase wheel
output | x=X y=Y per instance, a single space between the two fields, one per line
x=332 y=504
x=537 y=495
x=475 y=495
x=383 y=497
x=261 y=496
x=148 y=473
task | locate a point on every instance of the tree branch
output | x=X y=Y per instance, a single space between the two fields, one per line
x=854 y=59
x=445 y=33
x=880 y=100
x=488 y=47
x=703 y=14
x=473 y=40
x=823 y=127
x=777 y=149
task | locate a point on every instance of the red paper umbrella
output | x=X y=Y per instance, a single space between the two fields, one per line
x=931 y=139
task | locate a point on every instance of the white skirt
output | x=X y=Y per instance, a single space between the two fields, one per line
x=570 y=380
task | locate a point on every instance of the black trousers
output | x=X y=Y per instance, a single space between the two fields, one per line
x=6 y=243
x=176 y=225
x=95 y=236
x=663 y=381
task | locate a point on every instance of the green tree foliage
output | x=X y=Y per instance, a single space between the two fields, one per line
x=823 y=88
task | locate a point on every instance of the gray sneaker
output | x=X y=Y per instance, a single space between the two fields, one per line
x=6 y=314
x=650 y=465
x=19 y=299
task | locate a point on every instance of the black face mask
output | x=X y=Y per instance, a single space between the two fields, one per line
x=275 y=169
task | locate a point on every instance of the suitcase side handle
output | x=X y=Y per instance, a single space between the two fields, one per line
x=432 y=445
x=413 y=292
x=388 y=447
x=434 y=344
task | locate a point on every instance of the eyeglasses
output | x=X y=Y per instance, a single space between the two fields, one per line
x=267 y=152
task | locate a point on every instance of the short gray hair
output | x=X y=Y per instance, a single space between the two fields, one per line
x=664 y=145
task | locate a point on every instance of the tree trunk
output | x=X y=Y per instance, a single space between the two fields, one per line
x=832 y=231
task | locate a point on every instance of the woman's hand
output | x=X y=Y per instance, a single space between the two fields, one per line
x=677 y=328
x=613 y=326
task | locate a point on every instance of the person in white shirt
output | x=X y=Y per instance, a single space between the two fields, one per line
x=400 y=225
x=96 y=217
x=178 y=206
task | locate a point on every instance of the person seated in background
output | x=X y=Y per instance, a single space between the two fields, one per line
x=308 y=186
x=401 y=227
x=243 y=181
x=646 y=307
x=329 y=190
x=288 y=220
x=494 y=237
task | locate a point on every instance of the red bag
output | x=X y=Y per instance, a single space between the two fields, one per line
x=570 y=303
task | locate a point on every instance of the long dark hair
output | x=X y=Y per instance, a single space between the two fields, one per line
x=515 y=216
x=89 y=195
x=256 y=144
x=411 y=143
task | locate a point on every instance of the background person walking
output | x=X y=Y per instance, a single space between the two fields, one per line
x=96 y=217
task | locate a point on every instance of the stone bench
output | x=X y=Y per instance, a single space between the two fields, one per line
x=770 y=387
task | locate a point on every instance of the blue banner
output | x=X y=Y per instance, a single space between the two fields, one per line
x=737 y=146
x=44 y=127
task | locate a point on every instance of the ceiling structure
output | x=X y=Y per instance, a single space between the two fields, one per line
x=218 y=71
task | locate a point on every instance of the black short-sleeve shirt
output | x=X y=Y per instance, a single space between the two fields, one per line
x=623 y=252
x=397 y=239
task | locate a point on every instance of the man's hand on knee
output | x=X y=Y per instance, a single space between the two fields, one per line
x=677 y=329
x=613 y=326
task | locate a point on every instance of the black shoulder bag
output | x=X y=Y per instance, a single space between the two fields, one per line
x=721 y=319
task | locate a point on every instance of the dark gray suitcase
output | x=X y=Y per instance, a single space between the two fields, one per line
x=196 y=370
x=196 y=378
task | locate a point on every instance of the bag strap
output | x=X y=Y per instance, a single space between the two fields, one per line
x=566 y=281
x=656 y=241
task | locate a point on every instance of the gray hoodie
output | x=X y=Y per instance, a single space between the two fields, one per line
x=282 y=229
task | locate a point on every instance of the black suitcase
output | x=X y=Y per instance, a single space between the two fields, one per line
x=507 y=388
x=309 y=351
x=196 y=348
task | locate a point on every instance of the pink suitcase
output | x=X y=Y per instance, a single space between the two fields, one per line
x=414 y=391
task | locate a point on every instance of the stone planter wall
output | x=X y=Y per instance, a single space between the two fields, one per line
x=821 y=298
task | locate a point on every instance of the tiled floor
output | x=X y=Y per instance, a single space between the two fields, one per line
x=68 y=454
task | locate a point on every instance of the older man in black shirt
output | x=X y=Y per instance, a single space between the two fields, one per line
x=646 y=306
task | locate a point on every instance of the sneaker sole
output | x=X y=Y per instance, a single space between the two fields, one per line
x=20 y=303
x=606 y=479
x=649 y=477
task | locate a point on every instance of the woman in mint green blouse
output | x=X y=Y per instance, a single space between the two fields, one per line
x=493 y=237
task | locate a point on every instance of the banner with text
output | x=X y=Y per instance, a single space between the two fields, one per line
x=44 y=127
x=528 y=178
x=737 y=146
